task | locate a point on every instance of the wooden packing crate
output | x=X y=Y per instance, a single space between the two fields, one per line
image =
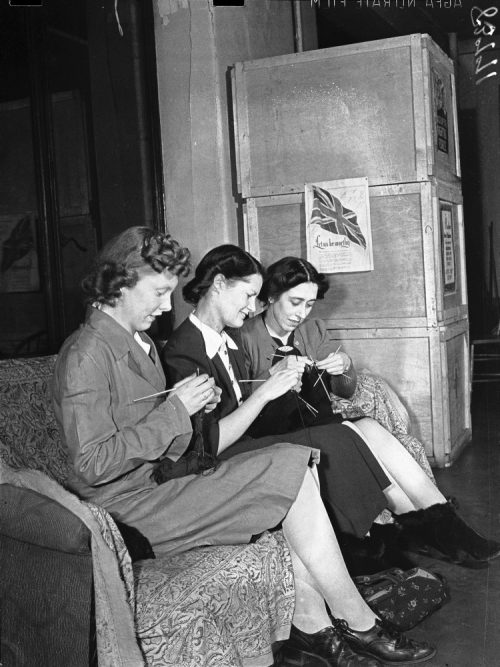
x=384 y=109
x=406 y=287
x=429 y=369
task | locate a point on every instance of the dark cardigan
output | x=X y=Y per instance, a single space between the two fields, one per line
x=352 y=481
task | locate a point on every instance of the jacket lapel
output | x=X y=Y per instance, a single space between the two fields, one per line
x=126 y=347
x=141 y=364
x=300 y=344
x=148 y=366
x=238 y=363
x=264 y=340
x=223 y=379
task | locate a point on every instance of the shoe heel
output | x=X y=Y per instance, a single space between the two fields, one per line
x=292 y=657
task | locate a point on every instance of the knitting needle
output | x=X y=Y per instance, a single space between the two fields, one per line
x=314 y=362
x=251 y=381
x=158 y=393
x=284 y=356
x=324 y=385
x=344 y=374
x=313 y=410
x=309 y=407
x=319 y=377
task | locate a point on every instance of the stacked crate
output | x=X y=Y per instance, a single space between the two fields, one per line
x=385 y=110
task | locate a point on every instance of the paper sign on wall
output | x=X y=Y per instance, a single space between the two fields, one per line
x=447 y=248
x=338 y=229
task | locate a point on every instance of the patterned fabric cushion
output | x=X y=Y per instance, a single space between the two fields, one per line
x=218 y=606
x=29 y=435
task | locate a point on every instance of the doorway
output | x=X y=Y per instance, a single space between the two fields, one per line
x=80 y=156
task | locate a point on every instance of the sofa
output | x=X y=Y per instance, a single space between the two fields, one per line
x=69 y=592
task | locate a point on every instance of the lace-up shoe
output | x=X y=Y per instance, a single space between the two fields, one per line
x=325 y=648
x=385 y=643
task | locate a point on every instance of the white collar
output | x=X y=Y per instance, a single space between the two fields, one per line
x=212 y=339
x=145 y=346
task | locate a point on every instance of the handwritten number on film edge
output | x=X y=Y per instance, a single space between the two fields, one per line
x=483 y=29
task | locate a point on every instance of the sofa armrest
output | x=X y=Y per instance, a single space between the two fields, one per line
x=28 y=516
x=46 y=583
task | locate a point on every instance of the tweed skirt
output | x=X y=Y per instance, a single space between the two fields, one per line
x=244 y=496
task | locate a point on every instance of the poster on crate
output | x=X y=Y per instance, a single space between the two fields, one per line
x=338 y=230
x=440 y=113
x=18 y=253
x=447 y=248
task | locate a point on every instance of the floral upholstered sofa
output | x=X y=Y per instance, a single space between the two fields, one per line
x=69 y=593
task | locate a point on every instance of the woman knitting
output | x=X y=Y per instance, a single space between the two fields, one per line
x=118 y=423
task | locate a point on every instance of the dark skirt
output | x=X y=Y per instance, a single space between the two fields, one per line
x=352 y=481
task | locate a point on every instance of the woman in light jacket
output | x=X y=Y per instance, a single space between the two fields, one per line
x=116 y=429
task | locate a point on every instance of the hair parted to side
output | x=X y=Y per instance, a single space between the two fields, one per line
x=228 y=260
x=118 y=263
x=290 y=272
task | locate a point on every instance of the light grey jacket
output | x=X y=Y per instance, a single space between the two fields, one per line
x=111 y=440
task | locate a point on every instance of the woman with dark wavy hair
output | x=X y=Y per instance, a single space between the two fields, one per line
x=120 y=262
x=283 y=337
x=117 y=424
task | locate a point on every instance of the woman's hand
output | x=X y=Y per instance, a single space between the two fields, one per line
x=196 y=392
x=290 y=362
x=212 y=404
x=334 y=364
x=278 y=384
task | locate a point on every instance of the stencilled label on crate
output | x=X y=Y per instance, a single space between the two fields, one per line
x=441 y=113
x=447 y=248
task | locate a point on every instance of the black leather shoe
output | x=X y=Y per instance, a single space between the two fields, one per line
x=324 y=648
x=386 y=644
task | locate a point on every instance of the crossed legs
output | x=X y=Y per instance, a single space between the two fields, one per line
x=412 y=489
x=319 y=569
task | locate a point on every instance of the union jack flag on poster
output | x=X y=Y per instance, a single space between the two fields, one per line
x=329 y=212
x=338 y=226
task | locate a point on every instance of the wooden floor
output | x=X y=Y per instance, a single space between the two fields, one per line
x=466 y=631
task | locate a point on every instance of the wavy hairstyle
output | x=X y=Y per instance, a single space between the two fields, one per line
x=290 y=272
x=119 y=262
x=230 y=261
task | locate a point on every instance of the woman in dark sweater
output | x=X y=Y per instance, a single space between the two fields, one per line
x=224 y=290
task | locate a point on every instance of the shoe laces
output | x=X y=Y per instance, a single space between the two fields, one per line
x=400 y=640
x=340 y=625
x=335 y=631
x=383 y=629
